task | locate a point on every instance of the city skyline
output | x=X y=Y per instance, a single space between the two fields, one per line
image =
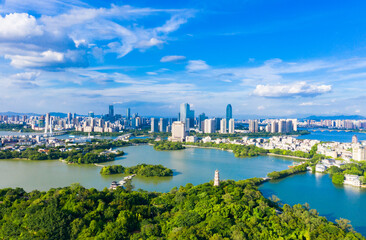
x=265 y=58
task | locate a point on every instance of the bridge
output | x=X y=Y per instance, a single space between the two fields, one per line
x=330 y=130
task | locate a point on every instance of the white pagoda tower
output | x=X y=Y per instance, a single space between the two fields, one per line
x=217 y=178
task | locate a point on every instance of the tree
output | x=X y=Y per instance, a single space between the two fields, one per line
x=338 y=178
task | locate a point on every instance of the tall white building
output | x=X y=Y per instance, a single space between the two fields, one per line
x=154 y=125
x=178 y=132
x=359 y=153
x=231 y=126
x=223 y=125
x=253 y=126
x=209 y=126
x=282 y=126
x=294 y=124
x=274 y=126
x=289 y=126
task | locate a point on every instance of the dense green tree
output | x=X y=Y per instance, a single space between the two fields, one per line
x=338 y=178
x=234 y=210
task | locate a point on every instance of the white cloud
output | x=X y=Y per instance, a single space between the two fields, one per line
x=76 y=33
x=172 y=58
x=19 y=25
x=301 y=89
x=25 y=76
x=36 y=60
x=152 y=73
x=197 y=65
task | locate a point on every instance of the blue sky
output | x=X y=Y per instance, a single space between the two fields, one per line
x=266 y=58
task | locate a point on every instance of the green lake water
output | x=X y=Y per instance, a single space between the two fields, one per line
x=192 y=165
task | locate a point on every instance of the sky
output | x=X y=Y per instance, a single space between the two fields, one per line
x=265 y=58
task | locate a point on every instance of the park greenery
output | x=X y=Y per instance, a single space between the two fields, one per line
x=148 y=170
x=238 y=150
x=140 y=170
x=353 y=168
x=94 y=152
x=234 y=210
x=284 y=173
x=15 y=127
x=113 y=169
x=167 y=146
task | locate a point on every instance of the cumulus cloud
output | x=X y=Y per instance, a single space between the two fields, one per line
x=66 y=38
x=297 y=89
x=197 y=65
x=37 y=60
x=18 y=25
x=172 y=58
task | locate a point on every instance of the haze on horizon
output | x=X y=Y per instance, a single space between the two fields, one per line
x=265 y=58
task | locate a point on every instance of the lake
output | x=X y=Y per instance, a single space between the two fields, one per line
x=321 y=194
x=341 y=136
x=191 y=165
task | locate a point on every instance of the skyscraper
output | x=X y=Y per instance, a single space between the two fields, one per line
x=128 y=113
x=231 y=126
x=253 y=126
x=209 y=126
x=223 y=126
x=229 y=114
x=186 y=113
x=163 y=124
x=111 y=111
x=154 y=125
x=201 y=119
x=69 y=117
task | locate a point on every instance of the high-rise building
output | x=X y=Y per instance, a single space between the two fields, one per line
x=359 y=153
x=201 y=119
x=282 y=126
x=217 y=123
x=69 y=118
x=128 y=113
x=231 y=126
x=178 y=131
x=223 y=125
x=253 y=126
x=186 y=113
x=229 y=114
x=209 y=126
x=154 y=125
x=289 y=126
x=163 y=124
x=111 y=111
x=91 y=114
x=47 y=122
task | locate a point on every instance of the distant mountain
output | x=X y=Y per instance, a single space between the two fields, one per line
x=338 y=117
x=18 y=114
